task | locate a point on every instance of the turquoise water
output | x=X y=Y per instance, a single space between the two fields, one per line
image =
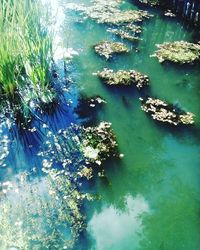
x=150 y=199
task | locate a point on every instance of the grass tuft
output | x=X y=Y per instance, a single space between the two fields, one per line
x=26 y=54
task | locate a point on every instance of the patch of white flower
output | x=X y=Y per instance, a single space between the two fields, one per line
x=90 y=152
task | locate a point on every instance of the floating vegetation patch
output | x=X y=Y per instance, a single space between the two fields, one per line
x=124 y=34
x=178 y=52
x=78 y=146
x=169 y=13
x=150 y=2
x=109 y=12
x=99 y=143
x=119 y=16
x=108 y=49
x=133 y=28
x=123 y=77
x=76 y=151
x=164 y=112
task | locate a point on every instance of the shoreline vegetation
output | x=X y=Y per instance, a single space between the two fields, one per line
x=26 y=56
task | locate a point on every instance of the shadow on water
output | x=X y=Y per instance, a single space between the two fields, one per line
x=182 y=68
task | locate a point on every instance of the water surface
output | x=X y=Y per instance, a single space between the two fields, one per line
x=150 y=198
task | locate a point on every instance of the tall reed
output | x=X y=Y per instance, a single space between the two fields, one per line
x=25 y=51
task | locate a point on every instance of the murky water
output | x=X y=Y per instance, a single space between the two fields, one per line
x=150 y=198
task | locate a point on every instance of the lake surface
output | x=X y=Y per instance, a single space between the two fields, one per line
x=150 y=198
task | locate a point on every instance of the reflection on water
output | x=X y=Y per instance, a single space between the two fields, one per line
x=117 y=229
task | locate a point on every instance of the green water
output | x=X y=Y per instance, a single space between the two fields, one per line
x=151 y=199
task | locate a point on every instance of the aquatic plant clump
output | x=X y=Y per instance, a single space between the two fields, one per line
x=124 y=34
x=123 y=77
x=133 y=28
x=109 y=12
x=178 y=52
x=121 y=17
x=99 y=143
x=150 y=2
x=169 y=13
x=107 y=48
x=48 y=214
x=89 y=144
x=161 y=111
